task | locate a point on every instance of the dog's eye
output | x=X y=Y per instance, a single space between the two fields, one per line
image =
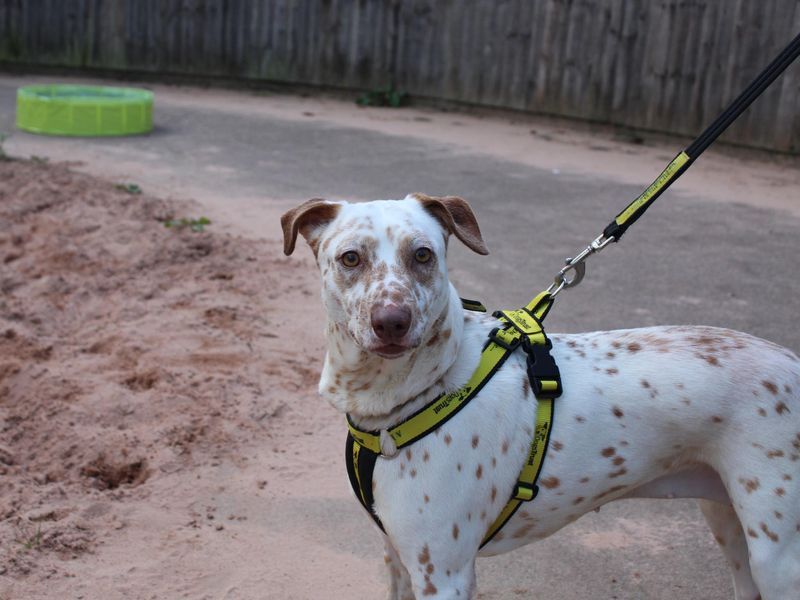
x=350 y=259
x=423 y=255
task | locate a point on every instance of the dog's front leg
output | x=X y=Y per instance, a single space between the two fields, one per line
x=431 y=574
x=399 y=580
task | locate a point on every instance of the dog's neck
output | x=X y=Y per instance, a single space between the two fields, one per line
x=377 y=392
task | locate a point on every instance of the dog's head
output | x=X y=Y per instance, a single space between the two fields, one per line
x=384 y=276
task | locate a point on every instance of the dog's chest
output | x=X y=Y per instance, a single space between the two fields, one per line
x=465 y=471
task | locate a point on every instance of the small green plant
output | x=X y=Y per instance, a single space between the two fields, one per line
x=389 y=97
x=131 y=188
x=193 y=224
x=34 y=542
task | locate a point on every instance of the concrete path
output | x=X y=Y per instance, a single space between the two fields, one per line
x=539 y=196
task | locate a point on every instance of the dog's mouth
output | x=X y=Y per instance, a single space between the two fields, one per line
x=390 y=350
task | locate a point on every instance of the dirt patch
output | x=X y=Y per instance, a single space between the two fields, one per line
x=128 y=352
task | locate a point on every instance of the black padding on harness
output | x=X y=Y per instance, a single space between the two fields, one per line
x=360 y=463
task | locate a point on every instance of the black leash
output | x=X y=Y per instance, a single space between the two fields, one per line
x=617 y=228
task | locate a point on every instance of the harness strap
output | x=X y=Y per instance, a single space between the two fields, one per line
x=441 y=410
x=519 y=328
x=526 y=488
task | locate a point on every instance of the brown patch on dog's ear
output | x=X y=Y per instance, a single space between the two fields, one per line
x=456 y=217
x=306 y=219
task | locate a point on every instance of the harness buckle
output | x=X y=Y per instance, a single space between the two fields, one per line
x=542 y=370
x=509 y=339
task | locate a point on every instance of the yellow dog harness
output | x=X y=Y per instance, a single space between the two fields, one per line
x=518 y=329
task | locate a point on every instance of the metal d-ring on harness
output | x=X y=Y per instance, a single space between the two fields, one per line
x=523 y=329
x=614 y=230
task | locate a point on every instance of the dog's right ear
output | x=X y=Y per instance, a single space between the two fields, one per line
x=308 y=219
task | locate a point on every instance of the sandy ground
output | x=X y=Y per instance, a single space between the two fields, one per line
x=140 y=366
x=161 y=434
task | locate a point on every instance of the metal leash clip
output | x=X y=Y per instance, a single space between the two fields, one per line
x=577 y=264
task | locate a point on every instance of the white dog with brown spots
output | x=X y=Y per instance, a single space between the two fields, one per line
x=687 y=412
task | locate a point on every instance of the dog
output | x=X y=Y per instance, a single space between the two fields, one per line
x=659 y=412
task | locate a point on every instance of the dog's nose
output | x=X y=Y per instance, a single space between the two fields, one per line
x=390 y=323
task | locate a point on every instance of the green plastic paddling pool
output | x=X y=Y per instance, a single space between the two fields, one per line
x=82 y=110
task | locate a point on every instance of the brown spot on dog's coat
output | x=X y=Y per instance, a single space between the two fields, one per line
x=550 y=482
x=750 y=484
x=447 y=439
x=771 y=387
x=774 y=453
x=580 y=419
x=781 y=408
x=455 y=531
x=578 y=500
x=557 y=445
x=617 y=412
x=717 y=419
x=634 y=347
x=504 y=447
x=645 y=384
x=752 y=533
x=524 y=530
x=610 y=451
x=475 y=440
x=780 y=491
x=762 y=412
x=424 y=556
x=618 y=473
x=479 y=472
x=612 y=371
x=770 y=534
x=618 y=460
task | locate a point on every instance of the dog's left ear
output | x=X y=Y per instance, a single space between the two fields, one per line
x=457 y=218
x=308 y=219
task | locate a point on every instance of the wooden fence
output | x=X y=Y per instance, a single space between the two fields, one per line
x=666 y=65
